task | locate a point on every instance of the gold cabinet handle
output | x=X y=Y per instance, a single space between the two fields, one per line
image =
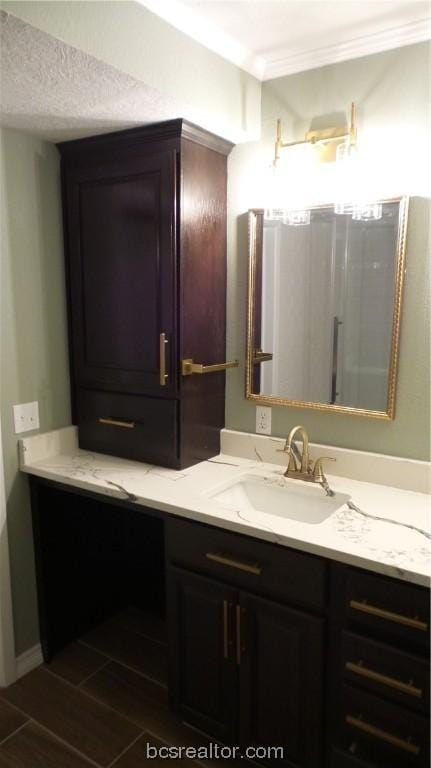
x=222 y=560
x=405 y=744
x=188 y=367
x=225 y=629
x=260 y=356
x=398 y=618
x=118 y=423
x=238 y=634
x=162 y=349
x=378 y=677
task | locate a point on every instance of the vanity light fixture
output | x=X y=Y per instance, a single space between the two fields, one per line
x=367 y=212
x=319 y=137
x=298 y=218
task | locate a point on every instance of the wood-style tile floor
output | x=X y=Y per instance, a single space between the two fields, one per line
x=97 y=703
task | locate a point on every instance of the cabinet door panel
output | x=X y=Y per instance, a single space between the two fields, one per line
x=281 y=680
x=203 y=682
x=122 y=267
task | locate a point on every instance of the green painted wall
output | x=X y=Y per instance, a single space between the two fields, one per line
x=33 y=351
x=392 y=91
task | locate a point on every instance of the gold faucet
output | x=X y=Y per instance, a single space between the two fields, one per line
x=299 y=466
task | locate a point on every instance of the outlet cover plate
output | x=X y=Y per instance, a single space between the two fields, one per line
x=26 y=417
x=263 y=420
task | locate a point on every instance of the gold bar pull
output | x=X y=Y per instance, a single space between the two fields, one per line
x=405 y=744
x=117 y=423
x=238 y=634
x=222 y=560
x=378 y=677
x=162 y=349
x=397 y=618
x=261 y=357
x=188 y=367
x=225 y=629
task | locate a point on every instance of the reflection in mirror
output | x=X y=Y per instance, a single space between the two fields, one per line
x=324 y=307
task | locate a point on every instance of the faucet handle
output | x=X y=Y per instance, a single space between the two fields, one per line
x=318 y=473
x=291 y=465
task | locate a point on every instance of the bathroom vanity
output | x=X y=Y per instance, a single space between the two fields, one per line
x=280 y=631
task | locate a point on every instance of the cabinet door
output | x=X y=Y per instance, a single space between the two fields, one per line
x=119 y=220
x=203 y=677
x=281 y=680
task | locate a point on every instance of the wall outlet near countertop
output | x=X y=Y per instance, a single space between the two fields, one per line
x=26 y=417
x=263 y=420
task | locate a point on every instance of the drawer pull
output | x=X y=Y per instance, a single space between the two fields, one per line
x=118 y=423
x=238 y=635
x=372 y=730
x=222 y=560
x=225 y=630
x=391 y=682
x=414 y=623
x=162 y=349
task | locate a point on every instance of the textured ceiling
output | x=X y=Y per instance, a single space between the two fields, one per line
x=58 y=92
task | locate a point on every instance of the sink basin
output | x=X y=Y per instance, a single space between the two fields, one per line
x=290 y=499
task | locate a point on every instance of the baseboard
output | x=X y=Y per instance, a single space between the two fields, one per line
x=29 y=660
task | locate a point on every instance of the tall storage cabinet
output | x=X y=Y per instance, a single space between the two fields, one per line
x=145 y=240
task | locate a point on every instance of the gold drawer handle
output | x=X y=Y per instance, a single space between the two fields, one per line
x=372 y=730
x=162 y=351
x=391 y=682
x=373 y=610
x=238 y=635
x=118 y=423
x=261 y=357
x=222 y=560
x=225 y=629
x=188 y=367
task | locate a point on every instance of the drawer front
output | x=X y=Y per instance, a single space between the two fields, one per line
x=252 y=565
x=141 y=428
x=385 y=608
x=381 y=669
x=381 y=732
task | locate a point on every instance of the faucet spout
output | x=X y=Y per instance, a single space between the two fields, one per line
x=290 y=442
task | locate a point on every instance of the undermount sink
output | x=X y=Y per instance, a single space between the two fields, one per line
x=290 y=499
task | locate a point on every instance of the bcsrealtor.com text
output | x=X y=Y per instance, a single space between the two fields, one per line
x=214 y=751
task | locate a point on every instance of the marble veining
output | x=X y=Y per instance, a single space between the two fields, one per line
x=381 y=529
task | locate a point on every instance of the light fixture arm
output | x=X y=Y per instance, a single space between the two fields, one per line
x=321 y=136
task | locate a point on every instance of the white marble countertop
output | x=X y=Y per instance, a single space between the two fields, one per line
x=388 y=533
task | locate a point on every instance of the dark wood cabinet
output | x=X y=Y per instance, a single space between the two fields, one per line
x=245 y=668
x=379 y=671
x=145 y=238
x=203 y=673
x=281 y=670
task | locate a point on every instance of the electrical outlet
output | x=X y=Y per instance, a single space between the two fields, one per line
x=26 y=417
x=263 y=420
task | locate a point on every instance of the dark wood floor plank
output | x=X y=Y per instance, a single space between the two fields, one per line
x=10 y=719
x=33 y=747
x=129 y=693
x=82 y=722
x=77 y=662
x=137 y=755
x=142 y=702
x=147 y=624
x=130 y=648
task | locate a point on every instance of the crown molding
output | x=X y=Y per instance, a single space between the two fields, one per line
x=184 y=19
x=285 y=62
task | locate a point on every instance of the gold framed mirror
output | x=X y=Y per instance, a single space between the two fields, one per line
x=324 y=308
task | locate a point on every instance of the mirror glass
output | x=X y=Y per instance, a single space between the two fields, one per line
x=324 y=306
